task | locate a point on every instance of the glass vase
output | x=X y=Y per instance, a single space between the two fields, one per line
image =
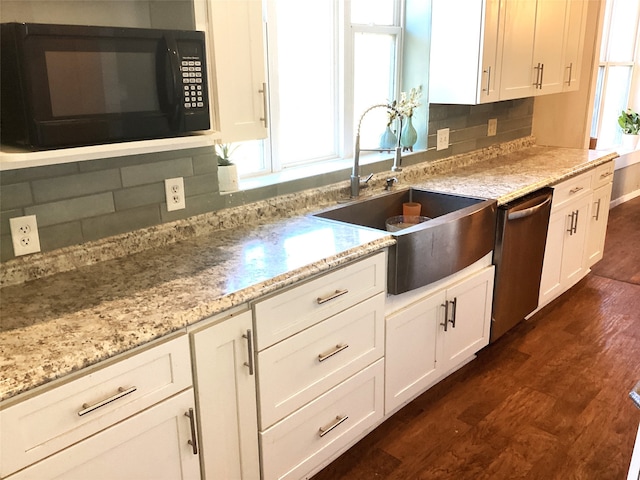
x=408 y=136
x=388 y=139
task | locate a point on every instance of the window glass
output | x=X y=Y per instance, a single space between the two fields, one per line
x=615 y=100
x=373 y=83
x=305 y=74
x=373 y=12
x=623 y=31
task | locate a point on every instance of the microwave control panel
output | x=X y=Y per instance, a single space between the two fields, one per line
x=194 y=96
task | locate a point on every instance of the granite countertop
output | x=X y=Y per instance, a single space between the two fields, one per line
x=58 y=324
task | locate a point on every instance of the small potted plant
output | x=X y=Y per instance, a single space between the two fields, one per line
x=629 y=122
x=227 y=170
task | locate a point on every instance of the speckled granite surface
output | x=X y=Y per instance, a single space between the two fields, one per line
x=184 y=272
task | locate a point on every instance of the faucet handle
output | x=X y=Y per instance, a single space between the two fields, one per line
x=390 y=182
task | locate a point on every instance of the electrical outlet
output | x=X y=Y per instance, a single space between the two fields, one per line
x=492 y=127
x=24 y=235
x=174 y=190
x=442 y=136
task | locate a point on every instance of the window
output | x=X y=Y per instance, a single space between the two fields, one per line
x=327 y=62
x=618 y=82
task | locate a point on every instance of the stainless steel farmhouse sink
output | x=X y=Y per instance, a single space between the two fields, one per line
x=461 y=230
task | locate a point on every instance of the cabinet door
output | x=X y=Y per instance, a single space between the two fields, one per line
x=226 y=398
x=152 y=445
x=469 y=318
x=573 y=261
x=576 y=19
x=410 y=355
x=236 y=26
x=518 y=77
x=551 y=280
x=549 y=38
x=598 y=223
x=464 y=68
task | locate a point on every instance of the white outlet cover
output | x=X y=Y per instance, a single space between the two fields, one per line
x=24 y=235
x=442 y=139
x=174 y=191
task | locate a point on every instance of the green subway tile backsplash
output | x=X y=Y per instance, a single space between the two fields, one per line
x=85 y=201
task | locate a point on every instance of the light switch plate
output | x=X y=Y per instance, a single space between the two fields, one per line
x=442 y=139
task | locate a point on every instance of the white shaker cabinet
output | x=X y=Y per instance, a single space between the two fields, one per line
x=151 y=445
x=226 y=398
x=602 y=184
x=575 y=26
x=532 y=53
x=460 y=72
x=129 y=417
x=240 y=83
x=435 y=335
x=320 y=366
x=564 y=258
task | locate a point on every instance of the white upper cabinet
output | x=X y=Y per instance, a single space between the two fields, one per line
x=490 y=50
x=240 y=85
x=460 y=72
x=574 y=43
x=532 y=52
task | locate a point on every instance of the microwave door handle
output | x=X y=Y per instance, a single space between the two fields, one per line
x=171 y=53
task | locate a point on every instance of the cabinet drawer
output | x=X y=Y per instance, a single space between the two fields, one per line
x=295 y=371
x=289 y=312
x=153 y=445
x=50 y=421
x=603 y=174
x=306 y=439
x=571 y=189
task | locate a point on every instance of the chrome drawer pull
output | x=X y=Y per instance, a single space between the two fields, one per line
x=249 y=338
x=597 y=215
x=193 y=441
x=336 y=294
x=605 y=175
x=86 y=408
x=322 y=431
x=454 y=304
x=575 y=190
x=446 y=314
x=323 y=356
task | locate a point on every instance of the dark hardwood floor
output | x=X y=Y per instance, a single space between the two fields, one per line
x=549 y=400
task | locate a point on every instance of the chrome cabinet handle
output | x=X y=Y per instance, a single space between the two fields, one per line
x=575 y=227
x=605 y=175
x=541 y=75
x=488 y=72
x=249 y=337
x=575 y=190
x=538 y=82
x=597 y=215
x=323 y=356
x=570 y=229
x=336 y=294
x=454 y=304
x=193 y=441
x=86 y=408
x=570 y=67
x=322 y=431
x=446 y=314
x=263 y=91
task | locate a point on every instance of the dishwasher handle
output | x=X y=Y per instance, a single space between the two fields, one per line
x=527 y=212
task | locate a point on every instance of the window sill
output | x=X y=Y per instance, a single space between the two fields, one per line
x=313 y=170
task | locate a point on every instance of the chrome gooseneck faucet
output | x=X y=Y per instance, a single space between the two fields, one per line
x=397 y=160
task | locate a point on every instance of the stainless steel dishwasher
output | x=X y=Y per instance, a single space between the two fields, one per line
x=521 y=236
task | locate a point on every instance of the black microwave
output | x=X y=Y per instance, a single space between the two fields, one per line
x=72 y=85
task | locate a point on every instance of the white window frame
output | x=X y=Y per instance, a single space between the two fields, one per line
x=633 y=95
x=344 y=86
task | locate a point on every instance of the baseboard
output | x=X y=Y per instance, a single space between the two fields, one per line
x=624 y=198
